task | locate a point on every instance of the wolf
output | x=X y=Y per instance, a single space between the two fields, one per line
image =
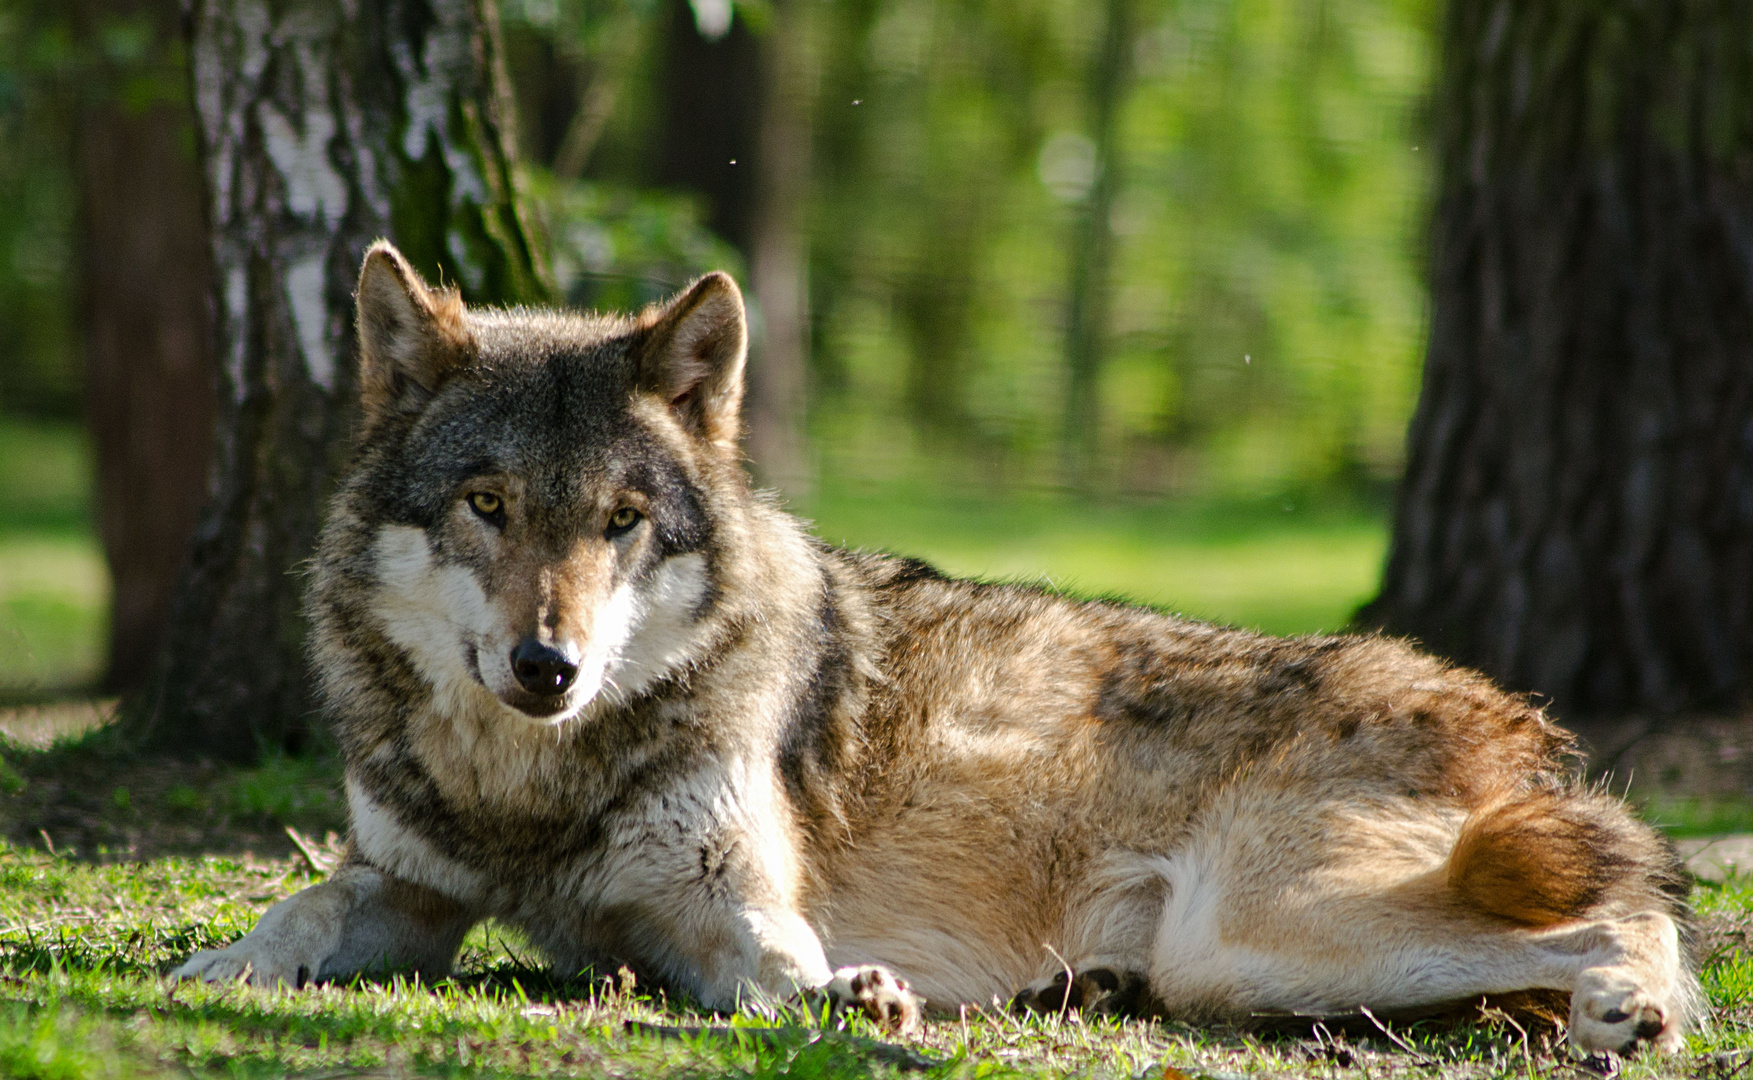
x=590 y=682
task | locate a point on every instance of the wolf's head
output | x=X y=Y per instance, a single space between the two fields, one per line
x=531 y=516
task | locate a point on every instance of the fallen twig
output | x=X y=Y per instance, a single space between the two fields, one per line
x=320 y=861
x=1423 y=1058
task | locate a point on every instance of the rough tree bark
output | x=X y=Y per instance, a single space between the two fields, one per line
x=144 y=313
x=1577 y=512
x=325 y=124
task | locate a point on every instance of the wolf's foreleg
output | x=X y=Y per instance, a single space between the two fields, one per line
x=788 y=961
x=704 y=884
x=360 y=919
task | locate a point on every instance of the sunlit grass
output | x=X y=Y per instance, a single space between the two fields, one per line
x=54 y=607
x=54 y=586
x=84 y=949
x=1281 y=566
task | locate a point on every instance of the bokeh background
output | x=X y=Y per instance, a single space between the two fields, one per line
x=1224 y=444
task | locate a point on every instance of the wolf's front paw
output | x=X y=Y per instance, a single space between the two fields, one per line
x=879 y=994
x=1609 y=1011
x=255 y=962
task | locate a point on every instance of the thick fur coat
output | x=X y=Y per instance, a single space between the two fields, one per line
x=590 y=683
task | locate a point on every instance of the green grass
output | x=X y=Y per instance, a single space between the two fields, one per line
x=1705 y=816
x=1283 y=565
x=87 y=934
x=54 y=587
x=84 y=948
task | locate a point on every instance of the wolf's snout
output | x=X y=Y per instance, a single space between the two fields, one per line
x=542 y=669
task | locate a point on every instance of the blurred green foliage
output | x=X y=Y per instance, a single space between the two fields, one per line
x=1266 y=304
x=1267 y=308
x=39 y=371
x=1266 y=314
x=49 y=70
x=616 y=247
x=54 y=586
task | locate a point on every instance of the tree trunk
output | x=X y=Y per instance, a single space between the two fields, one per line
x=146 y=279
x=1577 y=512
x=737 y=130
x=779 y=261
x=711 y=107
x=1092 y=245
x=324 y=126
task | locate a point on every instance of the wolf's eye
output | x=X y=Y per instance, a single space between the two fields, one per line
x=487 y=504
x=622 y=520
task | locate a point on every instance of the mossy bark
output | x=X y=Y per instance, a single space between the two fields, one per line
x=324 y=125
x=1576 y=516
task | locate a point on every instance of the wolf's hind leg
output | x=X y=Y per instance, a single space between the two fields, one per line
x=360 y=919
x=1603 y=883
x=1099 y=967
x=1322 y=910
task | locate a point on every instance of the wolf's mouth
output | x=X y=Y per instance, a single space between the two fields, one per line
x=535 y=706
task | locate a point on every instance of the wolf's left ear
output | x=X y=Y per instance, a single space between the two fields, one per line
x=692 y=357
x=412 y=337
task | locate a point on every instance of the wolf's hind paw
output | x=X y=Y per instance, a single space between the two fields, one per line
x=1610 y=1012
x=879 y=994
x=1096 y=991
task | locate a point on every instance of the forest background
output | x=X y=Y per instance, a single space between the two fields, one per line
x=1149 y=324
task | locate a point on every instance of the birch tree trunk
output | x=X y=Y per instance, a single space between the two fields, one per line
x=1577 y=512
x=325 y=124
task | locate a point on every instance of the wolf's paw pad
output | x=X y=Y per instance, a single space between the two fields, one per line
x=1099 y=991
x=1610 y=1012
x=879 y=994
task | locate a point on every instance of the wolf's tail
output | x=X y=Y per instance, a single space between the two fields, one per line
x=1545 y=857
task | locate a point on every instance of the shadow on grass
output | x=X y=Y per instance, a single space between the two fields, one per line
x=94 y=799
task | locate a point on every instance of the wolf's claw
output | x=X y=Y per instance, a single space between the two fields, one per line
x=243 y=964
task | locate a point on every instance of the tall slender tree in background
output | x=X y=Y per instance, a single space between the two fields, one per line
x=323 y=126
x=144 y=312
x=1577 y=512
x=737 y=130
x=779 y=254
x=1086 y=318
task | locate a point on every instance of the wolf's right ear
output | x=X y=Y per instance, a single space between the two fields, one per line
x=411 y=337
x=692 y=357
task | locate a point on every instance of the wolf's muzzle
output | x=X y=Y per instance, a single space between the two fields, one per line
x=542 y=669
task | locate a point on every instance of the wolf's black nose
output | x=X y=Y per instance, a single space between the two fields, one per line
x=541 y=669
